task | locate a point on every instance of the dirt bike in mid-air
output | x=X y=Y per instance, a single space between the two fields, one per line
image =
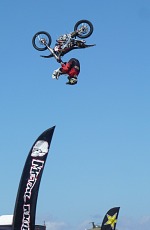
x=42 y=40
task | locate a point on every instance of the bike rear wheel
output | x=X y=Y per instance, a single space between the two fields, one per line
x=41 y=40
x=86 y=28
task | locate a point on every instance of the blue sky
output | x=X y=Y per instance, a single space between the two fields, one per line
x=100 y=151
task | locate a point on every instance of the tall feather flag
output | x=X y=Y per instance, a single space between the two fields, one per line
x=110 y=219
x=25 y=206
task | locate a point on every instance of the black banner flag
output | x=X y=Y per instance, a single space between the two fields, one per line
x=25 y=207
x=110 y=219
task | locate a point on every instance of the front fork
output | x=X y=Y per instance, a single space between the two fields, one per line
x=52 y=51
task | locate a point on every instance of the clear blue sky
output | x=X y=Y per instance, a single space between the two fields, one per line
x=100 y=151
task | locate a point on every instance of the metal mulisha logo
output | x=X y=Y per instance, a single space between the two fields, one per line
x=40 y=149
x=35 y=170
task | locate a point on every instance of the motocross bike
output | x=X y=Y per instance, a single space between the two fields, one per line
x=42 y=40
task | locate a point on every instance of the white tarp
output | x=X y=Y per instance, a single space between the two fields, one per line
x=6 y=219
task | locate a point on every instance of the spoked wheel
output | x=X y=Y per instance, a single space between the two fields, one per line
x=84 y=27
x=40 y=40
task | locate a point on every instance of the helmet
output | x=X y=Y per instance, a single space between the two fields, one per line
x=73 y=80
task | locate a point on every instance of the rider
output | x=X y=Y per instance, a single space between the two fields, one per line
x=71 y=68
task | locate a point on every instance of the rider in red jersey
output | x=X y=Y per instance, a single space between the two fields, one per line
x=71 y=68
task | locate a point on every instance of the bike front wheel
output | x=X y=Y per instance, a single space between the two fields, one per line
x=41 y=40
